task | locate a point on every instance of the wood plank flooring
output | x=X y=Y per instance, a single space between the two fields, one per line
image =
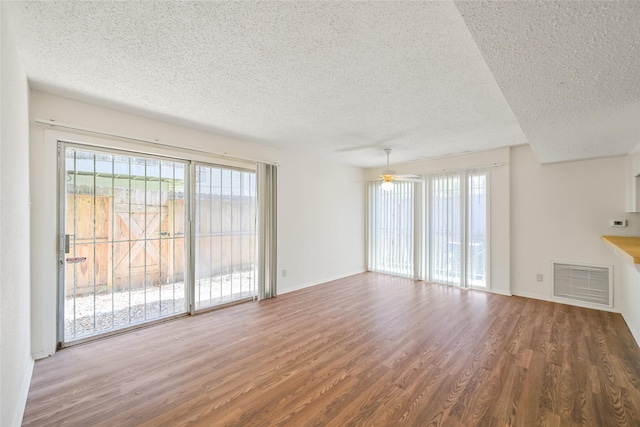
x=369 y=350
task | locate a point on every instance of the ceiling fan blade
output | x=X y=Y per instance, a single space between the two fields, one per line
x=406 y=175
x=418 y=179
x=396 y=178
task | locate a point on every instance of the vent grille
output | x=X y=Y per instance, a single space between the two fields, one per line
x=588 y=283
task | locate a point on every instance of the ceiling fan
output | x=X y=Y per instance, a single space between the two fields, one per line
x=388 y=176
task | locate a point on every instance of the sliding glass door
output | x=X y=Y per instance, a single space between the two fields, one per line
x=446 y=230
x=225 y=235
x=122 y=248
x=458 y=225
x=145 y=237
x=392 y=228
x=477 y=226
x=455 y=236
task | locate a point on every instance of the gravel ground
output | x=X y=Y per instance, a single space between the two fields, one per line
x=121 y=309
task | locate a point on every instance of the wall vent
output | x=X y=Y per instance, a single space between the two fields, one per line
x=581 y=282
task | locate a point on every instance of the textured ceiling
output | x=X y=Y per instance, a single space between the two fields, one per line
x=570 y=71
x=345 y=79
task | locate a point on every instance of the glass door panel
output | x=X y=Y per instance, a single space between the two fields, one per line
x=225 y=235
x=123 y=227
x=477 y=244
x=391 y=230
x=445 y=231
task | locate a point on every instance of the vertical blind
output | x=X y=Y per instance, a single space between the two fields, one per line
x=455 y=221
x=267 y=230
x=391 y=228
x=477 y=235
x=446 y=229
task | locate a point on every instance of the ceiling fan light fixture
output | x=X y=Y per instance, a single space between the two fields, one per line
x=387 y=185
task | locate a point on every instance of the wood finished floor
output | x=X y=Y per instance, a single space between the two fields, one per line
x=368 y=350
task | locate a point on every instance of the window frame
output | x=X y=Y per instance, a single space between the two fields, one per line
x=423 y=246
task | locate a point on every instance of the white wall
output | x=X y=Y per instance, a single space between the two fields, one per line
x=559 y=212
x=631 y=185
x=320 y=204
x=16 y=363
x=499 y=207
x=630 y=306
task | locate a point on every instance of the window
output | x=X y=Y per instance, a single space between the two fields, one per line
x=225 y=235
x=146 y=237
x=123 y=255
x=391 y=228
x=457 y=233
x=445 y=232
x=477 y=241
x=456 y=228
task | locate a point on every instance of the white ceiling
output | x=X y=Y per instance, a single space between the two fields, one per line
x=344 y=80
x=570 y=71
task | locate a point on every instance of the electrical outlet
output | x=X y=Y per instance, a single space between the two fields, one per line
x=284 y=273
x=539 y=277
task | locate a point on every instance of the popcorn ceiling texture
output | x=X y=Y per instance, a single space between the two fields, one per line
x=570 y=71
x=346 y=79
x=340 y=79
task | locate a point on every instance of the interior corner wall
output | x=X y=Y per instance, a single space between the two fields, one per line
x=320 y=203
x=559 y=213
x=16 y=363
x=630 y=308
x=498 y=165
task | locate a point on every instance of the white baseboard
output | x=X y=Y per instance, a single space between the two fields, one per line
x=563 y=301
x=23 y=393
x=318 y=282
x=494 y=291
x=489 y=291
x=531 y=295
x=41 y=355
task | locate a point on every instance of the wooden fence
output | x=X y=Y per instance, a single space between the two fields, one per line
x=138 y=241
